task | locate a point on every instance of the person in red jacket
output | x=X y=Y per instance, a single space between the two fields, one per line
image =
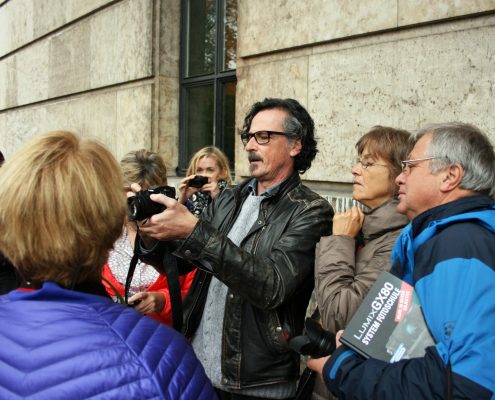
x=148 y=292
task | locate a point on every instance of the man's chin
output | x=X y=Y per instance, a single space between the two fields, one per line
x=253 y=169
x=401 y=207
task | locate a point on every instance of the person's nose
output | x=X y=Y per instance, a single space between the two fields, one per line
x=400 y=179
x=357 y=169
x=251 y=144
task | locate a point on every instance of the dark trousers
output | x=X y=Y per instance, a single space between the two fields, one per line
x=233 y=396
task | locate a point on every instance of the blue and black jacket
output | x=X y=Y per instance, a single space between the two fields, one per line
x=448 y=254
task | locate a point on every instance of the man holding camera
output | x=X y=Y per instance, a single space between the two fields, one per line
x=448 y=253
x=255 y=247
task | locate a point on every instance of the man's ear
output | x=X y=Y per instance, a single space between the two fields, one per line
x=296 y=147
x=451 y=177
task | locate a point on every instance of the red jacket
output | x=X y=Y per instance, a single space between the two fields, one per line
x=160 y=285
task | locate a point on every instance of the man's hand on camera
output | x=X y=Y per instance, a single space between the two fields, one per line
x=175 y=222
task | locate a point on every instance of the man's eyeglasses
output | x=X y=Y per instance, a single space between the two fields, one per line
x=406 y=164
x=366 y=164
x=261 y=137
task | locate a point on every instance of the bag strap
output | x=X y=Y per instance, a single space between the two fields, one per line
x=171 y=269
x=305 y=385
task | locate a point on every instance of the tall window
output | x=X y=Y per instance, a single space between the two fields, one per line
x=208 y=81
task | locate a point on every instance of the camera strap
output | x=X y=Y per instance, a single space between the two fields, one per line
x=169 y=264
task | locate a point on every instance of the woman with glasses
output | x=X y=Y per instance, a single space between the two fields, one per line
x=349 y=261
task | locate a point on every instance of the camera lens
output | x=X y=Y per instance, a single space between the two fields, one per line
x=133 y=210
x=141 y=206
x=317 y=342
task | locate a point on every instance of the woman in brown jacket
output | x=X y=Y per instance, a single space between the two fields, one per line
x=349 y=261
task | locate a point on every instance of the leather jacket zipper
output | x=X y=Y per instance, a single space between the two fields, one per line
x=258 y=236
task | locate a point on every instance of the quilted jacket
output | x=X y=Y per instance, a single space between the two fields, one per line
x=62 y=344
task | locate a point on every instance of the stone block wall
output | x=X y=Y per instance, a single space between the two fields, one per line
x=106 y=69
x=110 y=69
x=357 y=64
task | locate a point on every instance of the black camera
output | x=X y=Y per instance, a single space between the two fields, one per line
x=141 y=206
x=317 y=342
x=198 y=181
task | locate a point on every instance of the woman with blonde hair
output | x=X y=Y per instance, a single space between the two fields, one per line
x=209 y=162
x=149 y=290
x=61 y=210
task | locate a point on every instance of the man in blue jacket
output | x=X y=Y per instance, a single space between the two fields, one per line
x=448 y=253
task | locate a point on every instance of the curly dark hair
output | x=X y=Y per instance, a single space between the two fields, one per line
x=298 y=124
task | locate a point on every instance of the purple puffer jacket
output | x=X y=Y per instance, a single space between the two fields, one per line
x=62 y=344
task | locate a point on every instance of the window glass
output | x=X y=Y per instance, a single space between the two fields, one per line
x=230 y=35
x=228 y=120
x=199 y=121
x=208 y=80
x=201 y=37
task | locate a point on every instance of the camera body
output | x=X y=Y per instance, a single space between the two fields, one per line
x=141 y=206
x=317 y=342
x=198 y=181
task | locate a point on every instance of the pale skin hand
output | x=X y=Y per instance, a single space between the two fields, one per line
x=317 y=364
x=185 y=191
x=175 y=222
x=348 y=223
x=211 y=188
x=151 y=302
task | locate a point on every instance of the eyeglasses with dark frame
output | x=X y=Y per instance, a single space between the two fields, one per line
x=406 y=164
x=261 y=137
x=365 y=164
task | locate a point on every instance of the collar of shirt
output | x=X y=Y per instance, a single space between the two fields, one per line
x=252 y=188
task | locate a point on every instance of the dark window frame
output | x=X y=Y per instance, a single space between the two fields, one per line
x=218 y=78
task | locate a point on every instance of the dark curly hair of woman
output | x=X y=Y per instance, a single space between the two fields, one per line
x=298 y=124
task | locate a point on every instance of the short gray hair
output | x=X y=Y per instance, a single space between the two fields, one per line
x=464 y=144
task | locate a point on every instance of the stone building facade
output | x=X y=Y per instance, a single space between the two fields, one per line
x=110 y=69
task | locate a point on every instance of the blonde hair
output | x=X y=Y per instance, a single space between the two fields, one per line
x=61 y=208
x=143 y=167
x=217 y=155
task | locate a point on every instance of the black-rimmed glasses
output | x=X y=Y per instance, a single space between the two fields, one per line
x=261 y=137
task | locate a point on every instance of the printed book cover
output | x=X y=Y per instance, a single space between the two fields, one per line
x=389 y=324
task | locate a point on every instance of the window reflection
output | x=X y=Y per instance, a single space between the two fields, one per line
x=230 y=35
x=201 y=38
x=208 y=77
x=199 y=118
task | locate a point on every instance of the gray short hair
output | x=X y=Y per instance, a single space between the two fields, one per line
x=464 y=144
